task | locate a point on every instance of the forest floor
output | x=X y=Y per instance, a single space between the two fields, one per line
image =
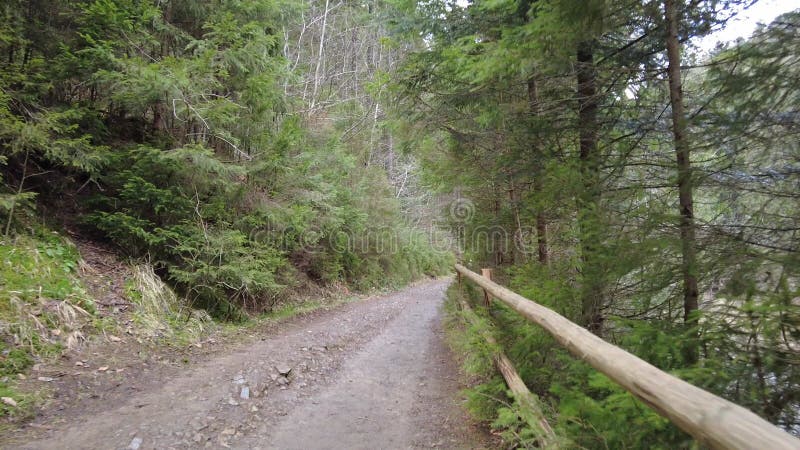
x=373 y=373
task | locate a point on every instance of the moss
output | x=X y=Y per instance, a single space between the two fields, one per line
x=14 y=361
x=40 y=267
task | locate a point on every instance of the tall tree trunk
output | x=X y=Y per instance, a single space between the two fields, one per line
x=684 y=166
x=320 y=56
x=592 y=287
x=535 y=109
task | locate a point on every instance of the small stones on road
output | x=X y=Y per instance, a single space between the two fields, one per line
x=9 y=401
x=198 y=425
x=250 y=392
x=283 y=369
x=135 y=444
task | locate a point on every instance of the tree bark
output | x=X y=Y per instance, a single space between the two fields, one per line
x=684 y=166
x=541 y=220
x=320 y=56
x=588 y=221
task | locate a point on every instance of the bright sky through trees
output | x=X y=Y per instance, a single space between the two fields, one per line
x=745 y=22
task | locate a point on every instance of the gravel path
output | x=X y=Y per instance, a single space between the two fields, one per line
x=373 y=374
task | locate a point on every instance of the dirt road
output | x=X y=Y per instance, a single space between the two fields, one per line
x=372 y=374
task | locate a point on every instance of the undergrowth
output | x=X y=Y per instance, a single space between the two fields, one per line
x=489 y=400
x=44 y=307
x=516 y=420
x=584 y=407
x=160 y=314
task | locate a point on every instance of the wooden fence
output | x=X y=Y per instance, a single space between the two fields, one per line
x=712 y=420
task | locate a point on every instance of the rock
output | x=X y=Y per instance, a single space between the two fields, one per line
x=273 y=376
x=135 y=444
x=233 y=402
x=113 y=338
x=9 y=401
x=102 y=369
x=238 y=379
x=283 y=369
x=283 y=381
x=198 y=438
x=245 y=394
x=46 y=379
x=229 y=431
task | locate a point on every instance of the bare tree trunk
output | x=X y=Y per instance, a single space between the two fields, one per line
x=592 y=287
x=684 y=166
x=320 y=56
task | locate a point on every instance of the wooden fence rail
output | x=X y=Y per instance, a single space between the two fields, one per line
x=514 y=382
x=712 y=420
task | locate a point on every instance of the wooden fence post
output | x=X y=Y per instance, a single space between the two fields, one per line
x=487 y=299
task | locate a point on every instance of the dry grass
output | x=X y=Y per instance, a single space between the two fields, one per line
x=160 y=313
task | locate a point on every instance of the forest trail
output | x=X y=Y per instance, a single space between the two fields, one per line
x=370 y=374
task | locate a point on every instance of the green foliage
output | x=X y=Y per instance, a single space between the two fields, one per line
x=43 y=307
x=488 y=102
x=44 y=267
x=516 y=419
x=597 y=413
x=168 y=126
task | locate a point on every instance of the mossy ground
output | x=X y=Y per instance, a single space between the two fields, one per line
x=43 y=307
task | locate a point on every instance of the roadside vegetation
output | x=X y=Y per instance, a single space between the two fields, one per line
x=612 y=171
x=184 y=136
x=234 y=155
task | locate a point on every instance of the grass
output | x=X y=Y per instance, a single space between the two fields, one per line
x=160 y=314
x=43 y=307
